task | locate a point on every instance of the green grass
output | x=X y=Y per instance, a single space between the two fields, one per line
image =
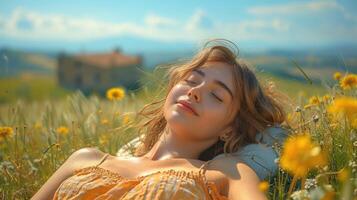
x=30 y=88
x=294 y=88
x=35 y=150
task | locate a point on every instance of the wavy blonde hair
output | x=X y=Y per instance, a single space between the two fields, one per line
x=258 y=106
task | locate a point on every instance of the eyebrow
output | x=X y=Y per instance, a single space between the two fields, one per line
x=220 y=83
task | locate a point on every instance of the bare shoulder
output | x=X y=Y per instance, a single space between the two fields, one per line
x=81 y=158
x=87 y=153
x=233 y=168
x=84 y=157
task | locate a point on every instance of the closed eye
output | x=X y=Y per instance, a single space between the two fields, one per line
x=190 y=82
x=213 y=94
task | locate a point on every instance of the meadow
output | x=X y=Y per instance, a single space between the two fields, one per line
x=318 y=161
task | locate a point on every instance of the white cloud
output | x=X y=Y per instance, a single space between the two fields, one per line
x=197 y=27
x=155 y=20
x=61 y=27
x=256 y=25
x=257 y=30
x=199 y=21
x=295 y=8
x=303 y=8
x=24 y=24
x=328 y=22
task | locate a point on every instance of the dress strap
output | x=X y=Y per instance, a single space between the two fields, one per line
x=103 y=158
x=203 y=169
x=202 y=173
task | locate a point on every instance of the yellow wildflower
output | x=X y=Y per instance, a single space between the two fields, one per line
x=38 y=125
x=337 y=75
x=292 y=118
x=349 y=81
x=117 y=93
x=300 y=154
x=62 y=130
x=307 y=106
x=344 y=106
x=326 y=98
x=5 y=131
x=126 y=119
x=103 y=139
x=334 y=125
x=314 y=100
x=289 y=117
x=105 y=121
x=343 y=175
x=263 y=186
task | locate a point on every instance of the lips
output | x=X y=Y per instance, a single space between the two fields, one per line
x=188 y=106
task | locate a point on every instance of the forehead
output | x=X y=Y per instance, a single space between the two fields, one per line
x=219 y=71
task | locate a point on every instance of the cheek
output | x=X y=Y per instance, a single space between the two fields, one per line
x=185 y=124
x=177 y=91
x=214 y=119
x=171 y=113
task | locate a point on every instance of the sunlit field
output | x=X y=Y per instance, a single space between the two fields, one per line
x=318 y=161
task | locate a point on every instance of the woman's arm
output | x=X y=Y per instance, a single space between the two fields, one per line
x=243 y=183
x=77 y=160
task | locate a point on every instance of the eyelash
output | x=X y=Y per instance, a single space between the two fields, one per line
x=192 y=82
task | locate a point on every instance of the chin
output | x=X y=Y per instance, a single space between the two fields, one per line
x=176 y=120
x=179 y=124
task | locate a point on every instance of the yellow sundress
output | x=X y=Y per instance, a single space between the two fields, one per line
x=96 y=183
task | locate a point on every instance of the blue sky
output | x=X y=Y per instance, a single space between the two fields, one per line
x=252 y=24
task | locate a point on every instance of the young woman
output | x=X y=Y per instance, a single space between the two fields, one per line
x=214 y=104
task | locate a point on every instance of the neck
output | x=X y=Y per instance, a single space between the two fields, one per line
x=171 y=145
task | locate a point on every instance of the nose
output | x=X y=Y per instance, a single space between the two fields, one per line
x=195 y=94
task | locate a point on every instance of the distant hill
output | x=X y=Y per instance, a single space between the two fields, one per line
x=31 y=74
x=317 y=63
x=15 y=62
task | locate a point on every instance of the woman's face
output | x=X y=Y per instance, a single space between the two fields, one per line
x=209 y=91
